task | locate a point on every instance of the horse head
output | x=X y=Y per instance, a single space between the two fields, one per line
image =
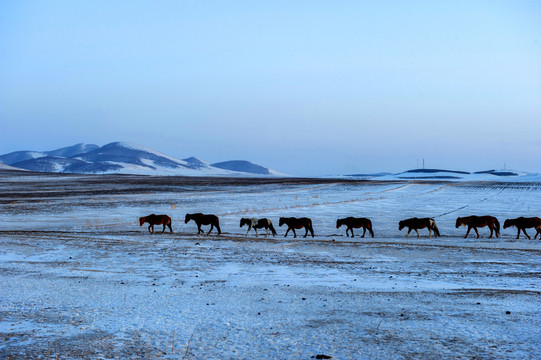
x=339 y=223
x=142 y=220
x=282 y=221
x=507 y=223
x=459 y=221
x=401 y=225
x=244 y=221
x=187 y=218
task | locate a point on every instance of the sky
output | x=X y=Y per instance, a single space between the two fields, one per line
x=304 y=87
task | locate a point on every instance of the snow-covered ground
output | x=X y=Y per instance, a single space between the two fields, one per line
x=76 y=269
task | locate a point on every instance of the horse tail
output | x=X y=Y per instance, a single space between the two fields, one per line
x=369 y=223
x=497 y=227
x=218 y=225
x=434 y=227
x=271 y=227
x=311 y=228
x=170 y=224
x=436 y=230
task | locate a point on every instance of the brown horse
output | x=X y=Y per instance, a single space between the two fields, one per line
x=352 y=222
x=204 y=219
x=473 y=222
x=297 y=223
x=523 y=223
x=255 y=223
x=415 y=223
x=153 y=219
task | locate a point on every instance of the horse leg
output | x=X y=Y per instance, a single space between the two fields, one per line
x=256 y=233
x=491 y=231
x=211 y=227
x=249 y=227
x=199 y=230
x=418 y=236
x=528 y=236
x=218 y=227
x=467 y=232
x=287 y=232
x=477 y=232
x=294 y=233
x=170 y=228
x=364 y=231
x=163 y=228
x=151 y=226
x=408 y=234
x=429 y=233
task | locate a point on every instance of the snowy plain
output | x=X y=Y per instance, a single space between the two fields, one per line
x=79 y=273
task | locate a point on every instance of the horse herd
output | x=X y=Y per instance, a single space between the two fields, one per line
x=472 y=222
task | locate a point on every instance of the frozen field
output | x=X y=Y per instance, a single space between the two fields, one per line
x=77 y=272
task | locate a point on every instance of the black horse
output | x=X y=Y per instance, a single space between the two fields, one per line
x=297 y=223
x=352 y=222
x=203 y=219
x=523 y=223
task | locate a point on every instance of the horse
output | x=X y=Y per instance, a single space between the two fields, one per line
x=204 y=219
x=255 y=224
x=415 y=223
x=352 y=222
x=479 y=221
x=523 y=223
x=297 y=223
x=153 y=219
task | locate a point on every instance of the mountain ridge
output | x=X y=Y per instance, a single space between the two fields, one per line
x=125 y=158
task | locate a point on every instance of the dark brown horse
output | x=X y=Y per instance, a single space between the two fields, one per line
x=352 y=222
x=297 y=223
x=255 y=223
x=523 y=223
x=203 y=219
x=415 y=224
x=153 y=219
x=473 y=222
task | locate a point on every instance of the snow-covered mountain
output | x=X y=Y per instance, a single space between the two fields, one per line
x=18 y=156
x=124 y=158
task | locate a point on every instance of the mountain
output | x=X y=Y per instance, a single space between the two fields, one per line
x=18 y=156
x=73 y=150
x=243 y=166
x=10 y=168
x=196 y=163
x=124 y=158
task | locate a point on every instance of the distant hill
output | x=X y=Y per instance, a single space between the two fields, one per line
x=125 y=158
x=453 y=175
x=243 y=166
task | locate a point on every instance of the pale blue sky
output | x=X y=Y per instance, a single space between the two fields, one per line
x=305 y=87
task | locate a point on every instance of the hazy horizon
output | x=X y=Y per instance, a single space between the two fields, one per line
x=306 y=88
